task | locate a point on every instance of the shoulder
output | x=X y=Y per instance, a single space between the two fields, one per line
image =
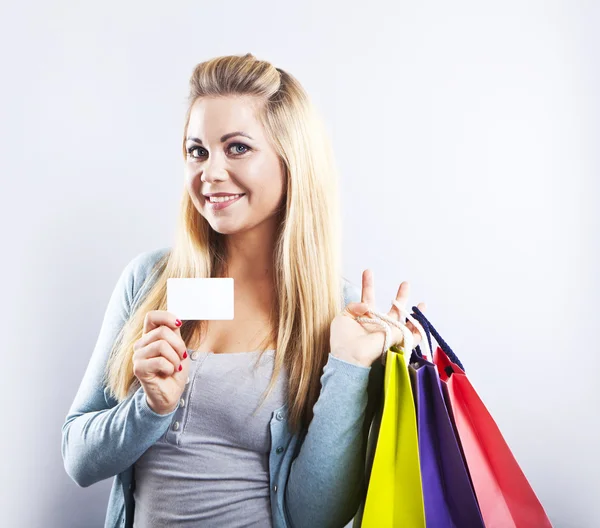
x=143 y=263
x=141 y=267
x=139 y=270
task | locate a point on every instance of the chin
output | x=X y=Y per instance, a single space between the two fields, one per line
x=224 y=229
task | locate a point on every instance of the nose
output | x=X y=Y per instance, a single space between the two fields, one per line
x=214 y=171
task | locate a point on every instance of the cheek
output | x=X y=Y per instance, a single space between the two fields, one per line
x=192 y=183
x=268 y=182
x=266 y=194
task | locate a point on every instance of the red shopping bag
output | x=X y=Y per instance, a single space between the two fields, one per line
x=505 y=497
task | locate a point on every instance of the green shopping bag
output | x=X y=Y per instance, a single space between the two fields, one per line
x=394 y=493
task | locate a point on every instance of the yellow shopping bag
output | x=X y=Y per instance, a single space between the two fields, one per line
x=394 y=494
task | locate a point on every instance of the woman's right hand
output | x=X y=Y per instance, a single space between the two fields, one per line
x=157 y=357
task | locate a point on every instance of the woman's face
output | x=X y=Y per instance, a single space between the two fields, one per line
x=227 y=152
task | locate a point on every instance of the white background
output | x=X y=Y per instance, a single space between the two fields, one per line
x=467 y=138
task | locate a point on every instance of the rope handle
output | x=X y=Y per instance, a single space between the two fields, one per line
x=431 y=330
x=421 y=323
x=407 y=335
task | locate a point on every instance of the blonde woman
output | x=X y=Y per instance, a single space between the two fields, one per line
x=258 y=421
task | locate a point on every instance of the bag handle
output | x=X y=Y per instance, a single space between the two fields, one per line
x=385 y=321
x=429 y=329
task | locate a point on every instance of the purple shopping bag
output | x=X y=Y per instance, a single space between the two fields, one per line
x=447 y=491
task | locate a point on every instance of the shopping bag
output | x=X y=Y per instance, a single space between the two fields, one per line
x=505 y=497
x=447 y=491
x=394 y=494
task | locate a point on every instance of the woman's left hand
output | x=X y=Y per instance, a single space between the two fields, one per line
x=362 y=343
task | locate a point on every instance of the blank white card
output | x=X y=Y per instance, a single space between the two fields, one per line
x=200 y=299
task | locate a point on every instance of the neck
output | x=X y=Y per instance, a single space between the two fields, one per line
x=250 y=255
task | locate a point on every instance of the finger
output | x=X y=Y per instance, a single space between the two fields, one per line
x=154 y=366
x=413 y=328
x=356 y=309
x=361 y=309
x=402 y=298
x=157 y=349
x=420 y=306
x=156 y=318
x=368 y=288
x=167 y=334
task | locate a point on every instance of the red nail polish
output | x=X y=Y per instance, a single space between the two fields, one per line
x=180 y=368
x=177 y=322
x=184 y=355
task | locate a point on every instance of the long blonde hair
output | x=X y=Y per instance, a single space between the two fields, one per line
x=306 y=259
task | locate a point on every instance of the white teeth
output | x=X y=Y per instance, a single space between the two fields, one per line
x=219 y=199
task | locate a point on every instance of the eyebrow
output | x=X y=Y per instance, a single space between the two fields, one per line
x=223 y=138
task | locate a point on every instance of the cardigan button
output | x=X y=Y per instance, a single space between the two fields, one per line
x=279 y=416
x=279 y=450
x=275 y=488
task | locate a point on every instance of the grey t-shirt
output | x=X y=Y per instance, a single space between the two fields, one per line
x=210 y=468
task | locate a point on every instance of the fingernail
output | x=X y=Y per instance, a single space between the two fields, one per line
x=184 y=355
x=177 y=322
x=180 y=368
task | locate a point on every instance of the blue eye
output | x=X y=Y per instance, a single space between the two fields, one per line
x=235 y=153
x=240 y=145
x=191 y=149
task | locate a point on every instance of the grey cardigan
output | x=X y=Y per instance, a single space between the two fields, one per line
x=317 y=480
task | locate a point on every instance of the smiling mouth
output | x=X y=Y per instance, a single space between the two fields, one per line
x=224 y=199
x=217 y=206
